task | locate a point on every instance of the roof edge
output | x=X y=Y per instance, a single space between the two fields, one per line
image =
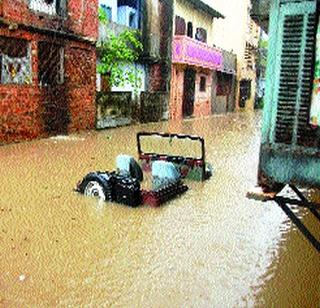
x=206 y=8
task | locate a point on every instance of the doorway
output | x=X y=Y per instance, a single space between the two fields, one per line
x=188 y=92
x=56 y=116
x=245 y=91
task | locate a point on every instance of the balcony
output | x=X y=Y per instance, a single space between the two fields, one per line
x=186 y=50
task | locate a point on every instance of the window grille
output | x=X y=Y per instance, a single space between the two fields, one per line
x=51 y=64
x=190 y=29
x=15 y=61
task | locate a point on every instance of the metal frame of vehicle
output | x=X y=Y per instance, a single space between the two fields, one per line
x=102 y=184
x=190 y=167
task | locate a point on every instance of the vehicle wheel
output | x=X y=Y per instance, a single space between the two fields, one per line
x=95 y=189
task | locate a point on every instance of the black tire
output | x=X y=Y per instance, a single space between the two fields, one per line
x=95 y=185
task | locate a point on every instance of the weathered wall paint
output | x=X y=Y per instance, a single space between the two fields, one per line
x=198 y=18
x=158 y=38
x=286 y=167
x=202 y=101
x=232 y=33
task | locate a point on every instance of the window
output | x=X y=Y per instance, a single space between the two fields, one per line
x=180 y=26
x=203 y=81
x=127 y=16
x=190 y=29
x=51 y=64
x=132 y=20
x=50 y=7
x=15 y=61
x=44 y=6
x=107 y=10
x=201 y=35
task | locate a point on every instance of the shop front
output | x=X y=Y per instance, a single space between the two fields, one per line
x=193 y=65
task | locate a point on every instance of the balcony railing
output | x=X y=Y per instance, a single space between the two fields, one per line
x=189 y=51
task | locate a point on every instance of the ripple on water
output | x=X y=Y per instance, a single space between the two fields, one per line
x=209 y=247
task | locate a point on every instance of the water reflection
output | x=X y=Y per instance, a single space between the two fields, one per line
x=211 y=247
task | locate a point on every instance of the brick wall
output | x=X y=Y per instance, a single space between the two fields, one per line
x=81 y=84
x=155 y=78
x=81 y=17
x=29 y=111
x=19 y=113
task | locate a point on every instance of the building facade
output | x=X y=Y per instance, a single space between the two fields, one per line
x=225 y=81
x=194 y=60
x=248 y=77
x=290 y=137
x=152 y=18
x=122 y=15
x=239 y=34
x=47 y=67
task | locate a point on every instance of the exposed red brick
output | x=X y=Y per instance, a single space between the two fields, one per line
x=156 y=80
x=24 y=108
x=81 y=17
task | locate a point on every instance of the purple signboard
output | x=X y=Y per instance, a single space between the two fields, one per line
x=189 y=51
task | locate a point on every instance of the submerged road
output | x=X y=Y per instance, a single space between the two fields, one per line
x=211 y=247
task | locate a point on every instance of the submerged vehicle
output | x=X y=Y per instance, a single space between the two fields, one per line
x=192 y=166
x=157 y=178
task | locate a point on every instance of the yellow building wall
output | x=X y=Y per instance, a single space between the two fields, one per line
x=199 y=19
x=232 y=32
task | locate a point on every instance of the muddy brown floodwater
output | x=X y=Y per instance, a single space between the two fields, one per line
x=212 y=247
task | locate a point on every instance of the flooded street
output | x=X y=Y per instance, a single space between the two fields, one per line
x=211 y=247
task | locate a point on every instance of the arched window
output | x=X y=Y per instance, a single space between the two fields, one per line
x=190 y=29
x=180 y=26
x=132 y=20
